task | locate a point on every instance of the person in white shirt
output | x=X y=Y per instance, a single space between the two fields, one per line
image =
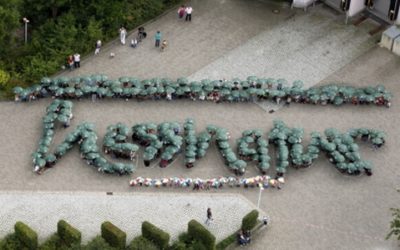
x=188 y=12
x=134 y=43
x=77 y=60
x=98 y=47
x=122 y=35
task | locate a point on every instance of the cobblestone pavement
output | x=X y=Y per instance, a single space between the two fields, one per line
x=86 y=212
x=318 y=208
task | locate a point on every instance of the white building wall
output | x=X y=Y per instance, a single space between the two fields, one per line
x=356 y=6
x=398 y=18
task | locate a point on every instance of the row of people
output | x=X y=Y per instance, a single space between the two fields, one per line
x=264 y=181
x=236 y=90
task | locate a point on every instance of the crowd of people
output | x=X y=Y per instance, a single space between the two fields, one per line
x=235 y=90
x=264 y=181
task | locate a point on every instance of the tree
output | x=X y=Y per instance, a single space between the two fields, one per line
x=9 y=22
x=4 y=78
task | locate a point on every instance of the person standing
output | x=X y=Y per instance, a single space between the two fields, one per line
x=181 y=11
x=122 y=35
x=134 y=43
x=98 y=47
x=188 y=12
x=70 y=62
x=157 y=37
x=209 y=216
x=77 y=60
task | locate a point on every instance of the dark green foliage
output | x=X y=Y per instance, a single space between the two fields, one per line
x=113 y=235
x=140 y=243
x=51 y=243
x=199 y=233
x=26 y=235
x=156 y=235
x=11 y=242
x=68 y=234
x=185 y=238
x=178 y=245
x=395 y=224
x=63 y=27
x=250 y=220
x=226 y=242
x=97 y=243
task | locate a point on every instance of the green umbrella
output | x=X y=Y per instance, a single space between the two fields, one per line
x=50 y=158
x=17 y=90
x=60 y=91
x=231 y=157
x=252 y=78
x=45 y=81
x=182 y=81
x=69 y=90
x=224 y=144
x=190 y=154
x=101 y=91
x=124 y=79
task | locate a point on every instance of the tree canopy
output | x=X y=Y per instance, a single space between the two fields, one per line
x=58 y=28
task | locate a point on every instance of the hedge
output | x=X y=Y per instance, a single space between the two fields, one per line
x=26 y=235
x=113 y=235
x=200 y=233
x=156 y=235
x=142 y=243
x=11 y=242
x=226 y=242
x=250 y=220
x=68 y=234
x=97 y=243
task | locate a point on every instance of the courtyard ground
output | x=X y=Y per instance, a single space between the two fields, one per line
x=318 y=207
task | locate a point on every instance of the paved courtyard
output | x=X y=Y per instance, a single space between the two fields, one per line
x=86 y=211
x=318 y=208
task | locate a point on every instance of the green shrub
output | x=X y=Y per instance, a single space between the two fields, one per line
x=11 y=242
x=226 y=242
x=156 y=235
x=197 y=245
x=96 y=244
x=178 y=245
x=51 y=243
x=200 y=233
x=113 y=235
x=26 y=235
x=68 y=234
x=185 y=238
x=250 y=220
x=141 y=243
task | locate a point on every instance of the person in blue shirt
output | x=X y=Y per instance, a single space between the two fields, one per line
x=157 y=37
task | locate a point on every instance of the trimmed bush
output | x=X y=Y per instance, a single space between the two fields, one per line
x=250 y=220
x=26 y=235
x=68 y=234
x=52 y=243
x=113 y=235
x=141 y=243
x=226 y=242
x=97 y=243
x=178 y=245
x=11 y=242
x=200 y=233
x=156 y=235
